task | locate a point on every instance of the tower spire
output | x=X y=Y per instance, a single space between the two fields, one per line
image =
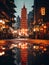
x=24 y=5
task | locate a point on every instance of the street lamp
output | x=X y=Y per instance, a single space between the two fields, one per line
x=36 y=31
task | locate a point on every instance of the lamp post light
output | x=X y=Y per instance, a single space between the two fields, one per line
x=36 y=31
x=2 y=24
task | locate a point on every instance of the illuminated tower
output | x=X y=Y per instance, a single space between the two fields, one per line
x=24 y=18
x=24 y=24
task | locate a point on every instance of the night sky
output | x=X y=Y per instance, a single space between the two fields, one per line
x=20 y=3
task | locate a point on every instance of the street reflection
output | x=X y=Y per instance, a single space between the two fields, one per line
x=23 y=53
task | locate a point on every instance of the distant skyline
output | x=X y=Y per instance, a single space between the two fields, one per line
x=20 y=3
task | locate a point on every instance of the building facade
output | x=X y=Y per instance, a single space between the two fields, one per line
x=24 y=24
x=30 y=19
x=41 y=10
x=41 y=16
x=18 y=22
x=7 y=12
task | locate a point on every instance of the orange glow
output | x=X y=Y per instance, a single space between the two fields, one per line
x=42 y=10
x=3 y=26
x=2 y=53
x=36 y=47
x=37 y=29
x=2 y=42
x=41 y=47
x=34 y=29
x=41 y=28
x=45 y=26
x=19 y=44
x=3 y=48
x=24 y=46
x=44 y=49
x=1 y=21
x=23 y=32
x=13 y=45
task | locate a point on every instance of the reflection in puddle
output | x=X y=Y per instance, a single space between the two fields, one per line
x=27 y=50
x=23 y=53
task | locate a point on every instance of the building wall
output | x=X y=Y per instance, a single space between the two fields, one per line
x=38 y=4
x=7 y=11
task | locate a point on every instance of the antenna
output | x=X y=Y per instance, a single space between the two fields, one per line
x=24 y=4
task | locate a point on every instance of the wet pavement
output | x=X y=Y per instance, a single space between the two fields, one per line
x=24 y=52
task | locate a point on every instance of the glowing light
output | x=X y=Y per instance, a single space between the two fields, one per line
x=34 y=29
x=45 y=26
x=23 y=32
x=2 y=53
x=37 y=29
x=3 y=27
x=41 y=28
x=41 y=47
x=3 y=22
x=2 y=42
x=19 y=44
x=42 y=10
x=15 y=31
x=3 y=48
x=24 y=46
x=19 y=33
x=44 y=49
x=0 y=21
x=13 y=45
x=36 y=47
x=26 y=43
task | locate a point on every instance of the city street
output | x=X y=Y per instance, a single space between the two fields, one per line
x=24 y=32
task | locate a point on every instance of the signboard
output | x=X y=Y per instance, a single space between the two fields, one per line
x=42 y=10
